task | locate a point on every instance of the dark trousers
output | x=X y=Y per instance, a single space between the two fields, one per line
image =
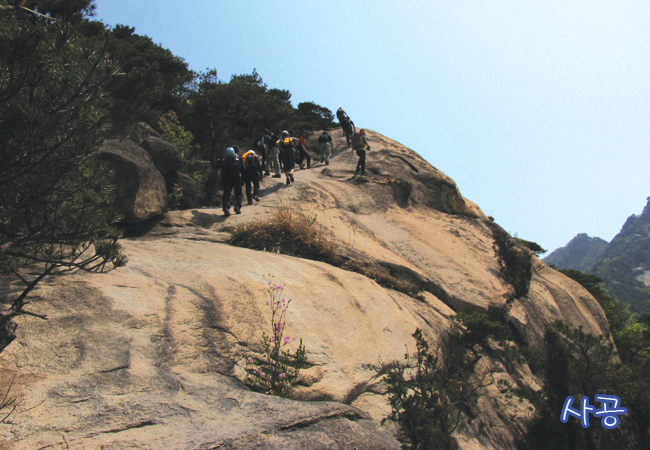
x=255 y=182
x=301 y=155
x=361 y=165
x=228 y=186
x=263 y=158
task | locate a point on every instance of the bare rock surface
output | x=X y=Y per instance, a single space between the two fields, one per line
x=152 y=355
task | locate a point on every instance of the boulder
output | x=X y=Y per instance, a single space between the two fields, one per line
x=189 y=188
x=166 y=157
x=141 y=192
x=143 y=131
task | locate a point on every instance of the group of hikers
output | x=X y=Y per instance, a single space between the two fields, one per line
x=281 y=152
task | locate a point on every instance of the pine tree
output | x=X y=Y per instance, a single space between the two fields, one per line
x=55 y=214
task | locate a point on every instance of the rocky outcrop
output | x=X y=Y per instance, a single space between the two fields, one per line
x=153 y=354
x=143 y=131
x=141 y=192
x=166 y=156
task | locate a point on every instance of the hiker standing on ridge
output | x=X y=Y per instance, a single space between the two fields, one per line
x=278 y=137
x=301 y=150
x=288 y=155
x=360 y=144
x=260 y=149
x=274 y=153
x=251 y=173
x=230 y=166
x=325 y=147
x=346 y=124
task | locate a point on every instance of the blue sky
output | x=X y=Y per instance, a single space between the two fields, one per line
x=538 y=109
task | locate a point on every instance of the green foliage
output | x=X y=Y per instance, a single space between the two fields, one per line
x=478 y=327
x=312 y=116
x=221 y=114
x=624 y=259
x=276 y=371
x=532 y=246
x=628 y=380
x=153 y=80
x=515 y=263
x=580 y=364
x=172 y=131
x=175 y=197
x=423 y=404
x=68 y=10
x=55 y=196
x=427 y=397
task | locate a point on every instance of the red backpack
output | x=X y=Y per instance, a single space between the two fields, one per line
x=356 y=141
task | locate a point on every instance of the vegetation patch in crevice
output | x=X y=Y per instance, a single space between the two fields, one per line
x=514 y=261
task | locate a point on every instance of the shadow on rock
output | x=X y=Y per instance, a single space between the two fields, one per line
x=205 y=220
x=138 y=229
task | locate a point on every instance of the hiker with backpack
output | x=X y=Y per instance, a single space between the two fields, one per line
x=360 y=145
x=346 y=124
x=288 y=155
x=270 y=140
x=251 y=174
x=301 y=150
x=325 y=147
x=230 y=166
x=260 y=149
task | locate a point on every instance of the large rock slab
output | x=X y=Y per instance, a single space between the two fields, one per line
x=153 y=354
x=141 y=192
x=147 y=345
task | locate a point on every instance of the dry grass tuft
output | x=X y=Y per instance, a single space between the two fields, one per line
x=289 y=232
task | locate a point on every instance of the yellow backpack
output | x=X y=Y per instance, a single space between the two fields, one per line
x=287 y=142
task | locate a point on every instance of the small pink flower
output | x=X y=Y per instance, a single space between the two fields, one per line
x=286 y=339
x=281 y=375
x=249 y=360
x=263 y=375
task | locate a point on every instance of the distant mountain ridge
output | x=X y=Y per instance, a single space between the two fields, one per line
x=623 y=263
x=581 y=253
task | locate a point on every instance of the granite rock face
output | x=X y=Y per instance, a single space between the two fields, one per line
x=141 y=192
x=152 y=355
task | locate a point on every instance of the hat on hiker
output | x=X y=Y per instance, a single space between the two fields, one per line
x=285 y=133
x=251 y=152
x=265 y=130
x=230 y=152
x=362 y=131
